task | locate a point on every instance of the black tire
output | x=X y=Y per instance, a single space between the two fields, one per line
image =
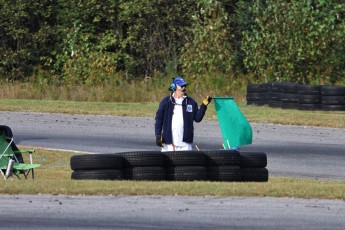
x=105 y=174
x=142 y=159
x=333 y=100
x=255 y=174
x=309 y=99
x=257 y=103
x=289 y=98
x=224 y=173
x=96 y=161
x=186 y=173
x=258 y=87
x=289 y=87
x=290 y=105
x=309 y=106
x=145 y=173
x=276 y=87
x=184 y=158
x=257 y=96
x=333 y=90
x=274 y=104
x=275 y=96
x=333 y=107
x=309 y=89
x=222 y=157
x=253 y=159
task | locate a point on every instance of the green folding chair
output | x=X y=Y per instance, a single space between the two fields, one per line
x=11 y=160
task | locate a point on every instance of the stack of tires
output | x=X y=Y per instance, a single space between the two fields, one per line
x=223 y=165
x=288 y=95
x=257 y=94
x=309 y=97
x=97 y=167
x=146 y=165
x=275 y=95
x=185 y=166
x=216 y=165
x=333 y=98
x=253 y=166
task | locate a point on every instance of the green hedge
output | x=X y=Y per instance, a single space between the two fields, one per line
x=101 y=41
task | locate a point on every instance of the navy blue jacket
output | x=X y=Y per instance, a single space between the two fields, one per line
x=164 y=118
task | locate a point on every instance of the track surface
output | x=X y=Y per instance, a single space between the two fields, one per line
x=292 y=151
x=168 y=212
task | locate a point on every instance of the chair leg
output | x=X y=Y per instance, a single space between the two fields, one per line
x=26 y=174
x=2 y=173
x=17 y=176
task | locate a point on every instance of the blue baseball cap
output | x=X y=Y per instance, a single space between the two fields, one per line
x=179 y=81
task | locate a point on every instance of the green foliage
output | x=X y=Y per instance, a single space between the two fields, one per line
x=26 y=35
x=85 y=62
x=217 y=43
x=154 y=32
x=299 y=41
x=209 y=51
x=90 y=49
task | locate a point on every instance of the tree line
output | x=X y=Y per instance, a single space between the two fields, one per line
x=100 y=41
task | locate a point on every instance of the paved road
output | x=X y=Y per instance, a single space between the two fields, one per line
x=292 y=150
x=168 y=212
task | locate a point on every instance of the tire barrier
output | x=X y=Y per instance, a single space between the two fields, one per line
x=333 y=98
x=97 y=167
x=186 y=173
x=258 y=94
x=222 y=157
x=152 y=173
x=184 y=158
x=253 y=166
x=288 y=95
x=94 y=174
x=213 y=165
x=96 y=161
x=253 y=159
x=142 y=159
x=254 y=174
x=224 y=173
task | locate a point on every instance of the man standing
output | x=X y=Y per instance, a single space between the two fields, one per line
x=176 y=113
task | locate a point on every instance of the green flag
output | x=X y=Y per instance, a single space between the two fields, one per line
x=236 y=130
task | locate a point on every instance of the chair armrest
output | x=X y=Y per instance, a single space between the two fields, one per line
x=25 y=151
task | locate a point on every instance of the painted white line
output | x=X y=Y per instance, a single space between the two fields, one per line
x=66 y=150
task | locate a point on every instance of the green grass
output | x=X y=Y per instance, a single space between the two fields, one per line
x=53 y=177
x=258 y=114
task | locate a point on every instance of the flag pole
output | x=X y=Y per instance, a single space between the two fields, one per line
x=228 y=143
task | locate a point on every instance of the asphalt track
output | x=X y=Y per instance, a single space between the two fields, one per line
x=292 y=151
x=296 y=151
x=168 y=212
